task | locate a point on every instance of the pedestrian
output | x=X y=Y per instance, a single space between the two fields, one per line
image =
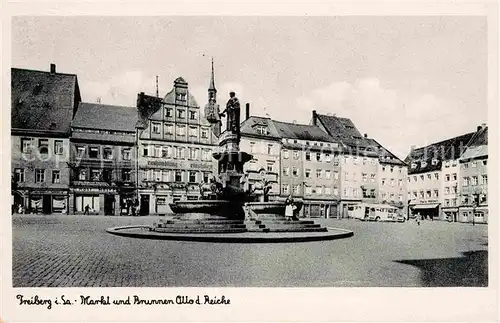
x=87 y=210
x=417 y=218
x=289 y=208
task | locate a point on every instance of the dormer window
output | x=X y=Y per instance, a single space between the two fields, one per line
x=434 y=162
x=423 y=164
x=413 y=165
x=261 y=130
x=181 y=96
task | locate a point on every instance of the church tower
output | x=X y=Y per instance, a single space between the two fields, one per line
x=212 y=108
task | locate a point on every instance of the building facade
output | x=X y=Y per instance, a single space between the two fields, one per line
x=473 y=183
x=102 y=172
x=369 y=173
x=175 y=145
x=43 y=105
x=433 y=177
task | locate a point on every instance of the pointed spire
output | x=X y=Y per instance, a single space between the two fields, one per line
x=212 y=79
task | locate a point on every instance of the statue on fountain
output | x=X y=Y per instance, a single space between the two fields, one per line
x=233 y=115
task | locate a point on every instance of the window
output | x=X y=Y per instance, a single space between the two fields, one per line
x=372 y=178
x=422 y=177
x=434 y=162
x=80 y=151
x=157 y=175
x=400 y=182
x=447 y=178
x=285 y=189
x=485 y=162
x=365 y=177
x=126 y=154
x=346 y=176
x=269 y=149
x=39 y=175
x=454 y=189
x=414 y=178
x=318 y=173
x=192 y=177
x=178 y=176
x=383 y=181
x=466 y=181
x=336 y=175
x=355 y=161
x=296 y=189
x=285 y=154
x=181 y=130
x=454 y=176
x=473 y=164
x=392 y=169
x=261 y=130
x=409 y=179
x=126 y=175
x=318 y=156
x=205 y=154
x=295 y=172
x=43 y=147
x=179 y=152
x=95 y=174
x=393 y=182
x=365 y=193
x=58 y=147
x=446 y=190
x=206 y=176
x=107 y=153
x=454 y=202
x=308 y=155
x=319 y=190
x=82 y=174
x=94 y=152
x=466 y=165
x=484 y=179
x=308 y=189
x=413 y=165
x=192 y=153
x=169 y=129
x=328 y=174
x=19 y=175
x=336 y=191
x=447 y=202
x=192 y=115
x=328 y=191
x=157 y=151
x=286 y=171
x=429 y=176
x=423 y=164
x=252 y=145
x=328 y=157
x=415 y=194
x=307 y=173
x=270 y=167
x=156 y=127
x=168 y=112
x=422 y=194
x=295 y=154
x=474 y=180
x=193 y=132
x=26 y=144
x=436 y=175
x=446 y=164
x=436 y=193
x=204 y=133
x=180 y=113
x=145 y=151
x=56 y=176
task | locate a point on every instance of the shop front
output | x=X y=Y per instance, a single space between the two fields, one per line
x=320 y=209
x=95 y=201
x=473 y=215
x=425 y=211
x=450 y=214
x=45 y=201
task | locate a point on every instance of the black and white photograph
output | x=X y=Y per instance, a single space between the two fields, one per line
x=216 y=151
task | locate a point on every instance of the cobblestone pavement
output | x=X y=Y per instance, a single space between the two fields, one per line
x=75 y=251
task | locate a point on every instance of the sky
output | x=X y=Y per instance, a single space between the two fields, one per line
x=403 y=80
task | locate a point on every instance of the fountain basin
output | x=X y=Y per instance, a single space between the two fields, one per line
x=204 y=210
x=267 y=210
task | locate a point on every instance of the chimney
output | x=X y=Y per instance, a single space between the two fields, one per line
x=365 y=135
x=247 y=111
x=315 y=118
x=53 y=68
x=479 y=128
x=140 y=99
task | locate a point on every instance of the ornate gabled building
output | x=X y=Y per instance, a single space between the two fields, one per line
x=43 y=105
x=102 y=163
x=175 y=144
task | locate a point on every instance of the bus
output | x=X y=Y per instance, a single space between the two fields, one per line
x=375 y=212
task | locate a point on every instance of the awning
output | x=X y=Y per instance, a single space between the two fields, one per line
x=369 y=186
x=424 y=206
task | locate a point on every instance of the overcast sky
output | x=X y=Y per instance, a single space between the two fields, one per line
x=402 y=80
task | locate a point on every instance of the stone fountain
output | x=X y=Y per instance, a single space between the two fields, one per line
x=224 y=199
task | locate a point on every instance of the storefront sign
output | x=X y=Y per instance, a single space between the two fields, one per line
x=93 y=190
x=201 y=166
x=164 y=163
x=177 y=165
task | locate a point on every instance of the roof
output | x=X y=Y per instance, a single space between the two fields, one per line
x=301 y=131
x=147 y=105
x=114 y=138
x=475 y=152
x=171 y=99
x=43 y=101
x=344 y=130
x=448 y=149
x=105 y=117
x=248 y=128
